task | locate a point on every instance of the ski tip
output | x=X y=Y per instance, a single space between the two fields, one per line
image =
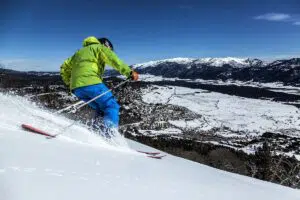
x=35 y=130
x=156 y=157
x=148 y=152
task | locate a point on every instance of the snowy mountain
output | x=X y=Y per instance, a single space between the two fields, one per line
x=214 y=62
x=80 y=165
x=285 y=71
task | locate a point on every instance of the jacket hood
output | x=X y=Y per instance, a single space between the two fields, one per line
x=90 y=40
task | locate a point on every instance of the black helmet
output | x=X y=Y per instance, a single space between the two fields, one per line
x=106 y=43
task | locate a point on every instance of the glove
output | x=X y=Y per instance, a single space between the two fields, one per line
x=134 y=75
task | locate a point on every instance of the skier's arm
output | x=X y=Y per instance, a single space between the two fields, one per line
x=65 y=71
x=111 y=59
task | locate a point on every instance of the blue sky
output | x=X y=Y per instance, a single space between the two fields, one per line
x=40 y=34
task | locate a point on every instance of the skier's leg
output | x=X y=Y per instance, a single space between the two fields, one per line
x=106 y=103
x=84 y=95
x=110 y=108
x=111 y=113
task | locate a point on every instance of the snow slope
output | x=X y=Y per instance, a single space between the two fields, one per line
x=80 y=165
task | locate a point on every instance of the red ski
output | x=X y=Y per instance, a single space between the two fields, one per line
x=149 y=153
x=36 y=130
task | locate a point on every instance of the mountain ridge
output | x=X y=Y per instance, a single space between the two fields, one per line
x=286 y=71
x=211 y=61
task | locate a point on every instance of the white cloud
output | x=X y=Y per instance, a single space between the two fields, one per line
x=280 y=17
x=297 y=23
x=274 y=17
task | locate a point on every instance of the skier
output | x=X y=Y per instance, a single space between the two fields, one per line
x=83 y=72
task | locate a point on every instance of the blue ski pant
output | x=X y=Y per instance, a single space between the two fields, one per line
x=106 y=104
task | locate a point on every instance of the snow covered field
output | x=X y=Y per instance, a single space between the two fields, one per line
x=276 y=87
x=241 y=115
x=80 y=165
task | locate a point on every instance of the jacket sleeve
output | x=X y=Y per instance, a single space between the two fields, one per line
x=111 y=59
x=65 y=71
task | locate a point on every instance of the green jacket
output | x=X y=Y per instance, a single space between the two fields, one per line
x=86 y=66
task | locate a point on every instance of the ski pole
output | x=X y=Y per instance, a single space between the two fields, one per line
x=81 y=104
x=73 y=106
